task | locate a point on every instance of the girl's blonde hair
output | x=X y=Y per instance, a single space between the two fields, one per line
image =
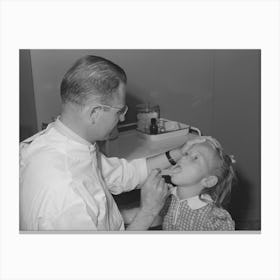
x=225 y=173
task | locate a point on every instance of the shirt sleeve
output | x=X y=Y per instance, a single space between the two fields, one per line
x=121 y=175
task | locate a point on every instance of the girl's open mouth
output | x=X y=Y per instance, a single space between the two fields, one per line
x=172 y=170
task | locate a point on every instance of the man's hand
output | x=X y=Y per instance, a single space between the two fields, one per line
x=161 y=161
x=192 y=141
x=153 y=193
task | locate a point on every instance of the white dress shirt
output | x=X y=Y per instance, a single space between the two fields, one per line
x=62 y=187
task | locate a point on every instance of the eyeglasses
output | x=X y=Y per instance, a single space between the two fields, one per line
x=121 y=111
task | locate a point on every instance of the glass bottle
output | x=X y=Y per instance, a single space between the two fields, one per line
x=153 y=126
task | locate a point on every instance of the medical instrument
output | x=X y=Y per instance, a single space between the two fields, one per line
x=167 y=179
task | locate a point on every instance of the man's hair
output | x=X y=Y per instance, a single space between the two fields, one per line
x=91 y=77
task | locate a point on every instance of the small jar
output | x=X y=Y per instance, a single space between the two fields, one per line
x=144 y=113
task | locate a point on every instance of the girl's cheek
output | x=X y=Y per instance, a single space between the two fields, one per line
x=180 y=177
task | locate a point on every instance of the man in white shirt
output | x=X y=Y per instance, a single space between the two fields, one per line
x=65 y=182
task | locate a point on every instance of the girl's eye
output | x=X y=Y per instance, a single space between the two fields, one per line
x=195 y=157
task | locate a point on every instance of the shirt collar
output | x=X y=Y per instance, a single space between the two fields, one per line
x=194 y=202
x=66 y=131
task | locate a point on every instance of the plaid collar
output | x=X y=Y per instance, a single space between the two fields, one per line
x=194 y=202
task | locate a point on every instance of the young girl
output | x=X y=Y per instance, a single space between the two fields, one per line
x=203 y=178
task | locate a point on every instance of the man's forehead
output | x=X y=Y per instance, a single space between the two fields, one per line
x=118 y=98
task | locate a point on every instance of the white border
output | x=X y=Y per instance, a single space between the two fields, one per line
x=153 y=24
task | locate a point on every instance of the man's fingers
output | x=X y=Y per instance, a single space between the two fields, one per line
x=155 y=171
x=190 y=143
x=163 y=187
x=200 y=139
x=161 y=182
x=153 y=174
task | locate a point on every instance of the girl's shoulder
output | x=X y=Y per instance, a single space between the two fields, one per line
x=219 y=219
x=220 y=212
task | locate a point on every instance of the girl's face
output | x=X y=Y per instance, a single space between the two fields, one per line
x=198 y=163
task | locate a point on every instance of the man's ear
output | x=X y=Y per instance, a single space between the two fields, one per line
x=210 y=181
x=93 y=114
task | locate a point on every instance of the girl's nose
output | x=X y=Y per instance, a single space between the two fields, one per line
x=186 y=158
x=122 y=118
x=183 y=159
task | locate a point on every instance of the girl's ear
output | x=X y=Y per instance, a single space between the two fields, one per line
x=210 y=181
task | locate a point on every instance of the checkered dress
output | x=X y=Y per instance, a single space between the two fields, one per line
x=178 y=215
